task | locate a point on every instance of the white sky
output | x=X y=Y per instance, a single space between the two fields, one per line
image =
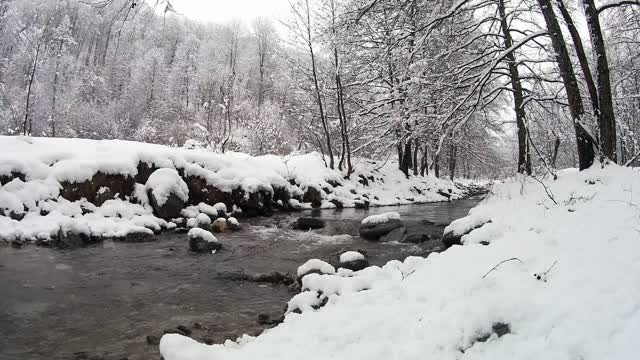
x=221 y=11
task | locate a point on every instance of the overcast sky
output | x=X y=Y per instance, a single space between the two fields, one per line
x=221 y=11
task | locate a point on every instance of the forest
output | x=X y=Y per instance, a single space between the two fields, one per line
x=471 y=88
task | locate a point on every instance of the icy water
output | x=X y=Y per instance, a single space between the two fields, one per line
x=102 y=302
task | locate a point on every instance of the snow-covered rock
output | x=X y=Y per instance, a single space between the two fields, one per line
x=167 y=192
x=353 y=260
x=202 y=241
x=202 y=221
x=380 y=218
x=314 y=266
x=376 y=227
x=233 y=224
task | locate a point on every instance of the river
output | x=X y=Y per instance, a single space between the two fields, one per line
x=102 y=302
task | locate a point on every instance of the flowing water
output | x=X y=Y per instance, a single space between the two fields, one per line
x=102 y=302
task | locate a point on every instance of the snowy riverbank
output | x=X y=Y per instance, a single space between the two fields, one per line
x=559 y=279
x=101 y=189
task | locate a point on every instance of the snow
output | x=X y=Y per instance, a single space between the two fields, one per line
x=233 y=221
x=381 y=218
x=316 y=264
x=220 y=207
x=350 y=256
x=202 y=234
x=588 y=307
x=202 y=220
x=46 y=165
x=164 y=182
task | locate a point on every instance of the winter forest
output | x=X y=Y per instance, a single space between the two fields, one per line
x=319 y=179
x=475 y=88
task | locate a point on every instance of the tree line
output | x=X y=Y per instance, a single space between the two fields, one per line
x=448 y=87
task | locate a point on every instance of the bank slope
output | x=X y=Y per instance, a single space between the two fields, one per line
x=101 y=188
x=559 y=279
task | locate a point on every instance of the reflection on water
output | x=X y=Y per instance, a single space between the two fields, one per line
x=106 y=299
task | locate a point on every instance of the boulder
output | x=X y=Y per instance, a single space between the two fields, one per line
x=71 y=240
x=308 y=223
x=353 y=260
x=313 y=196
x=219 y=225
x=233 y=224
x=451 y=238
x=374 y=231
x=314 y=266
x=202 y=241
x=167 y=193
x=360 y=204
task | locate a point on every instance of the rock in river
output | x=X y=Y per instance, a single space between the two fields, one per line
x=353 y=260
x=202 y=241
x=308 y=223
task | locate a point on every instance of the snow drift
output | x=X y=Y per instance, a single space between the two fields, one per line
x=559 y=279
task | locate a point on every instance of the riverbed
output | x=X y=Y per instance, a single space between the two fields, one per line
x=102 y=302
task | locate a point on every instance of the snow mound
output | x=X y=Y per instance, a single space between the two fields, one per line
x=351 y=256
x=164 y=182
x=202 y=234
x=380 y=218
x=562 y=270
x=317 y=265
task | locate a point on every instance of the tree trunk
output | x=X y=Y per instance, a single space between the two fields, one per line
x=317 y=88
x=415 y=158
x=582 y=58
x=524 y=157
x=585 y=142
x=406 y=158
x=554 y=156
x=606 y=120
x=27 y=120
x=452 y=160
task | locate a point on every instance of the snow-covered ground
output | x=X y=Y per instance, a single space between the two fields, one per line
x=38 y=173
x=560 y=276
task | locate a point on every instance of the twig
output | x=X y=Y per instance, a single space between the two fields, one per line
x=546 y=189
x=404 y=276
x=500 y=263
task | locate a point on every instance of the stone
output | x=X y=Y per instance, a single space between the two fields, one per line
x=359 y=204
x=313 y=196
x=170 y=209
x=363 y=180
x=308 y=223
x=219 y=225
x=450 y=238
x=395 y=235
x=376 y=231
x=71 y=240
x=337 y=203
x=233 y=224
x=198 y=244
x=355 y=265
